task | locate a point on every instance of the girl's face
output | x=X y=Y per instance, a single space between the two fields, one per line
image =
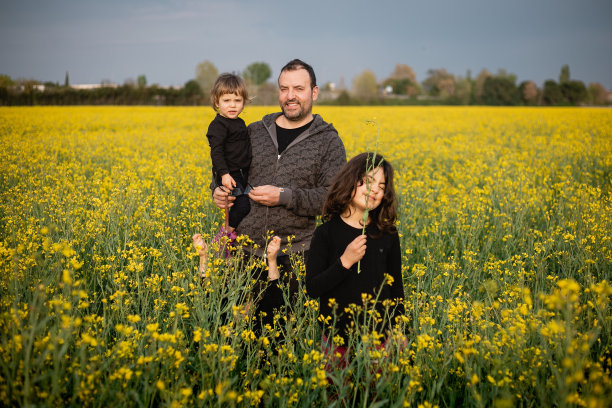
x=370 y=191
x=230 y=105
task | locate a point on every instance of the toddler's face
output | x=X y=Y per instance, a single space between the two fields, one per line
x=230 y=105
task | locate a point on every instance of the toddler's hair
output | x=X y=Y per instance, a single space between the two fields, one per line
x=353 y=174
x=228 y=83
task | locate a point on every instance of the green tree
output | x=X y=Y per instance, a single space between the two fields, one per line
x=129 y=83
x=398 y=86
x=205 y=75
x=551 y=94
x=528 y=92
x=479 y=84
x=500 y=90
x=574 y=92
x=365 y=86
x=439 y=83
x=403 y=81
x=6 y=81
x=403 y=71
x=257 y=73
x=343 y=99
x=66 y=80
x=597 y=93
x=564 y=75
x=502 y=73
x=463 y=90
x=142 y=81
x=192 y=93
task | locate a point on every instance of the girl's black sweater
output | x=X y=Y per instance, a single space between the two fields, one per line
x=327 y=279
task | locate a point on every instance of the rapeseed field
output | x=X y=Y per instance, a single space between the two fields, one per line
x=505 y=220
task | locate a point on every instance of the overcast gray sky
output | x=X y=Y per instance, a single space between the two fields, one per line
x=97 y=40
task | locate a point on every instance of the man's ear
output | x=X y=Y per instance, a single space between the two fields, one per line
x=315 y=93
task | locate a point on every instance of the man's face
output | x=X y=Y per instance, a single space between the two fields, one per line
x=295 y=94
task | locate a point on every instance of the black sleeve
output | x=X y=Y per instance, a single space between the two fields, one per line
x=321 y=276
x=216 y=136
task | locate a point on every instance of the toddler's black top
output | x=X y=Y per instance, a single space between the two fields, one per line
x=230 y=145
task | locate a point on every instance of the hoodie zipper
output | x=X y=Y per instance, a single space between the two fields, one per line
x=277 y=168
x=278 y=157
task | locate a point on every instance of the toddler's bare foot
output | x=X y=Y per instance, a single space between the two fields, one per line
x=202 y=251
x=272 y=253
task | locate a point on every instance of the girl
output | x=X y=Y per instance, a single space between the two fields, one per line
x=338 y=246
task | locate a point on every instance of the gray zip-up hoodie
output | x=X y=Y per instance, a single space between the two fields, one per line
x=305 y=171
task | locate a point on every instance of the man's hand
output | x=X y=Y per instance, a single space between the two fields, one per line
x=265 y=195
x=221 y=196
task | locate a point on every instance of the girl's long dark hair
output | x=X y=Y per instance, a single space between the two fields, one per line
x=353 y=174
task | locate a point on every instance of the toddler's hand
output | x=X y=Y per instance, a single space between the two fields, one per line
x=228 y=182
x=354 y=252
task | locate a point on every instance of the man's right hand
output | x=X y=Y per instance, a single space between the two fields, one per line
x=221 y=196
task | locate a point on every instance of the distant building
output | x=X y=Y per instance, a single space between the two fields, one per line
x=93 y=86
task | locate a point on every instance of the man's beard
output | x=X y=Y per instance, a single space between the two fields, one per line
x=296 y=114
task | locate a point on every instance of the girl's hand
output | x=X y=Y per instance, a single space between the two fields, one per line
x=354 y=252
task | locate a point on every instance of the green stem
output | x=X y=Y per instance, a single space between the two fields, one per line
x=369 y=167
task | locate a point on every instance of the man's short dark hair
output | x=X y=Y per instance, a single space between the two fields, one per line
x=296 y=64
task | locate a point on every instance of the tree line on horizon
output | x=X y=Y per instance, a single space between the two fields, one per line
x=399 y=88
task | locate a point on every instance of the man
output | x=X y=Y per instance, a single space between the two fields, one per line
x=295 y=156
